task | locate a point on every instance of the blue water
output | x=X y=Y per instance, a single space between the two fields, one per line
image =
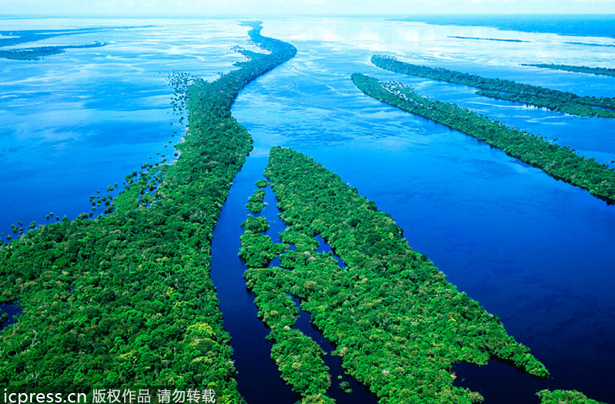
x=258 y=377
x=254 y=368
x=13 y=311
x=325 y=248
x=535 y=251
x=77 y=122
x=576 y=25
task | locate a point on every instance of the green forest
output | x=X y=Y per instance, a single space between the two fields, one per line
x=39 y=52
x=15 y=38
x=126 y=300
x=297 y=356
x=598 y=71
x=559 y=162
x=554 y=100
x=396 y=322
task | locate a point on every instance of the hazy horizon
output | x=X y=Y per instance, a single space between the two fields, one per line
x=183 y=8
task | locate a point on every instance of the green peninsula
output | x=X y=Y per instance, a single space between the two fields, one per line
x=557 y=161
x=598 y=71
x=298 y=357
x=396 y=322
x=14 y=38
x=126 y=300
x=39 y=52
x=554 y=100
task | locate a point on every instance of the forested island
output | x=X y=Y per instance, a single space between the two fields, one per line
x=397 y=323
x=125 y=300
x=13 y=38
x=559 y=162
x=298 y=357
x=17 y=37
x=564 y=397
x=592 y=44
x=485 y=39
x=39 y=52
x=598 y=71
x=554 y=100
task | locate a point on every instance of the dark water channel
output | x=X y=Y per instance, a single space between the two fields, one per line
x=258 y=377
x=360 y=394
x=12 y=312
x=500 y=382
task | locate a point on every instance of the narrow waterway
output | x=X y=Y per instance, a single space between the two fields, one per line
x=358 y=393
x=354 y=392
x=258 y=377
x=505 y=383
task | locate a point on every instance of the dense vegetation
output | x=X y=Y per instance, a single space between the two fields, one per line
x=298 y=357
x=599 y=71
x=255 y=202
x=557 y=161
x=13 y=38
x=485 y=39
x=37 y=53
x=592 y=44
x=125 y=300
x=564 y=397
x=508 y=90
x=397 y=323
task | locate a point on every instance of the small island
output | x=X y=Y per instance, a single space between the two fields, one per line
x=591 y=44
x=14 y=38
x=39 y=52
x=485 y=39
x=598 y=71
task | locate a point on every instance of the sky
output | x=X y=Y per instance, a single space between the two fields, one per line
x=319 y=7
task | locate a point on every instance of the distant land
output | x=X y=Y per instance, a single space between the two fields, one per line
x=592 y=44
x=599 y=71
x=14 y=38
x=573 y=25
x=39 y=52
x=485 y=39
